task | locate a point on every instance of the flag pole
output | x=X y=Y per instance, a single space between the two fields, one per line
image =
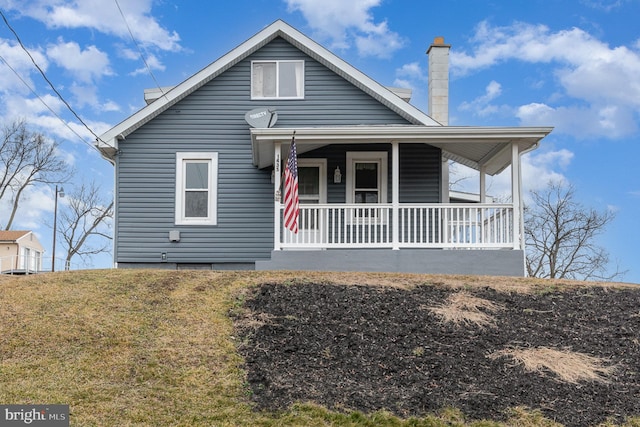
x=293 y=138
x=291 y=198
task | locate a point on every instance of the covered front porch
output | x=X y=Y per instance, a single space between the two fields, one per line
x=401 y=225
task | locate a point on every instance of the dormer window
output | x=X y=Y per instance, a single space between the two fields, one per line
x=277 y=79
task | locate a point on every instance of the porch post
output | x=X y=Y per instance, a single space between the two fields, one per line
x=444 y=181
x=483 y=201
x=276 y=195
x=522 y=235
x=395 y=194
x=515 y=193
x=483 y=184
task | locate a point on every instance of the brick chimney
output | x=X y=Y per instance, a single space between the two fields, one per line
x=439 y=80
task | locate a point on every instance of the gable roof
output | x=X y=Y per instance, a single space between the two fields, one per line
x=108 y=142
x=12 y=236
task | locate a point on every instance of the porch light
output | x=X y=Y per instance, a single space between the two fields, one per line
x=337 y=176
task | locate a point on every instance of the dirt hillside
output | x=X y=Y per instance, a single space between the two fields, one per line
x=571 y=352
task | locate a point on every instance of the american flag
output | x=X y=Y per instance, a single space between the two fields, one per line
x=291 y=202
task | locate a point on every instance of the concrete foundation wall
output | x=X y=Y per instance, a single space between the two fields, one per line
x=187 y=266
x=427 y=261
x=431 y=261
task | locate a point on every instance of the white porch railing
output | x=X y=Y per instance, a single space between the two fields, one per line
x=418 y=226
x=30 y=264
x=26 y=264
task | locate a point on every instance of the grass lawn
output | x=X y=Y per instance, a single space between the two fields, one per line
x=157 y=348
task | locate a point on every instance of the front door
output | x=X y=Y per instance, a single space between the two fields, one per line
x=312 y=190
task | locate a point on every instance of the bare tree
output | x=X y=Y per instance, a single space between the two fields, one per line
x=458 y=175
x=84 y=223
x=561 y=236
x=27 y=158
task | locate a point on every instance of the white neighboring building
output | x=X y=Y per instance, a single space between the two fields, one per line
x=21 y=251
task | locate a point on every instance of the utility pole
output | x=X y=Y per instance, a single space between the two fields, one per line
x=55 y=226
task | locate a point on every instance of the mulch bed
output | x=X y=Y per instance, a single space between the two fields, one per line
x=369 y=348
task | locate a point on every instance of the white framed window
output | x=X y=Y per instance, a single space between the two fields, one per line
x=277 y=79
x=366 y=177
x=196 y=188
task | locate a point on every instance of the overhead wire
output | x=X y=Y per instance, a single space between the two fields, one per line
x=45 y=104
x=142 y=56
x=49 y=81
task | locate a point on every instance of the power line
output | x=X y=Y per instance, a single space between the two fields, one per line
x=49 y=81
x=47 y=105
x=139 y=48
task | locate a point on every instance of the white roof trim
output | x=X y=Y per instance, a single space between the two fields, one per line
x=108 y=142
x=470 y=146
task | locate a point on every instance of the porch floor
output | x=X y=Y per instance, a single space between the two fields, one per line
x=499 y=262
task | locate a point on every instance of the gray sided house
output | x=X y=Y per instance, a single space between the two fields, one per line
x=198 y=180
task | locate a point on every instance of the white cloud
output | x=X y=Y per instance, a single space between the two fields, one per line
x=403 y=83
x=582 y=121
x=34 y=210
x=109 y=106
x=606 y=6
x=102 y=16
x=411 y=76
x=521 y=41
x=98 y=126
x=482 y=106
x=412 y=70
x=40 y=118
x=610 y=76
x=152 y=61
x=86 y=65
x=37 y=115
x=19 y=106
x=55 y=128
x=378 y=41
x=18 y=59
x=550 y=159
x=84 y=95
x=613 y=208
x=538 y=169
x=128 y=53
x=349 y=22
x=600 y=85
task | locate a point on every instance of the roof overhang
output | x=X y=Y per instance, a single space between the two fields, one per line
x=475 y=147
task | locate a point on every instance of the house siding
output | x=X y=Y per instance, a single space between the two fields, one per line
x=420 y=171
x=9 y=256
x=212 y=119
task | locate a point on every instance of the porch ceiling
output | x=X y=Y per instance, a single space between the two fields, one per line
x=470 y=146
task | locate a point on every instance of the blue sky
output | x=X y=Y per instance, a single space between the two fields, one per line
x=573 y=65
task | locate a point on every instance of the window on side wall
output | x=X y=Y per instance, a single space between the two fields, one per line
x=277 y=79
x=196 y=188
